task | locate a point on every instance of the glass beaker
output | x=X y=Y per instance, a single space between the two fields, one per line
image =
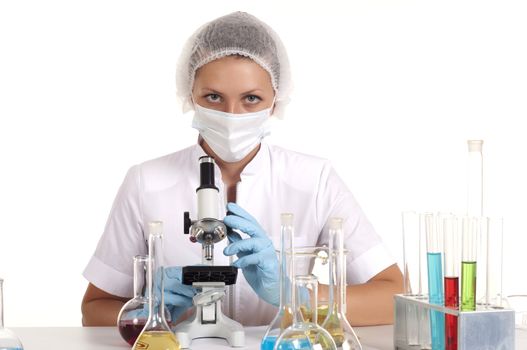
x=134 y=314
x=336 y=322
x=8 y=339
x=305 y=333
x=283 y=318
x=156 y=333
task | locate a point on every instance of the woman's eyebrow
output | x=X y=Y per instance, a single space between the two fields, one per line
x=219 y=93
x=250 y=92
x=211 y=90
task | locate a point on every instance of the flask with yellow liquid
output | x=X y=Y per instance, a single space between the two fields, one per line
x=157 y=334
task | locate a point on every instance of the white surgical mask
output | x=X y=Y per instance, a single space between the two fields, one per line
x=231 y=136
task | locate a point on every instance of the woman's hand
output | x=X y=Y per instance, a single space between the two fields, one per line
x=256 y=255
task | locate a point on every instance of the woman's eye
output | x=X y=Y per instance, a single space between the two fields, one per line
x=213 y=98
x=252 y=99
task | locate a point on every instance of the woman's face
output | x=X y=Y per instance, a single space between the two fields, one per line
x=233 y=84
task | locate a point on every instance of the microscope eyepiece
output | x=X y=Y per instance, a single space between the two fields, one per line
x=206 y=173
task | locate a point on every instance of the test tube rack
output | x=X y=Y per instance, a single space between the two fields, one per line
x=485 y=328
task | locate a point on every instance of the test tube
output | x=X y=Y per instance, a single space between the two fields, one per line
x=493 y=293
x=452 y=251
x=469 y=263
x=423 y=315
x=413 y=277
x=434 y=244
x=411 y=254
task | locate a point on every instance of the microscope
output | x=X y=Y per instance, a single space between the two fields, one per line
x=208 y=320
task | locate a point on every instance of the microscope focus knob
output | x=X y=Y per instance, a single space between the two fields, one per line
x=186 y=222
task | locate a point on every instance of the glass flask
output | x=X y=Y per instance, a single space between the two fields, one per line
x=305 y=333
x=156 y=333
x=8 y=339
x=313 y=260
x=133 y=315
x=336 y=322
x=283 y=318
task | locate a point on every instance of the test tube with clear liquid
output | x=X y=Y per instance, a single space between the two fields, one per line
x=414 y=278
x=336 y=322
x=494 y=291
x=156 y=333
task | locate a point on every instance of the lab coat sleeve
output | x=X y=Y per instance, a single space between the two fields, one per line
x=111 y=266
x=367 y=254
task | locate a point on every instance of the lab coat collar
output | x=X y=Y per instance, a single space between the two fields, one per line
x=259 y=163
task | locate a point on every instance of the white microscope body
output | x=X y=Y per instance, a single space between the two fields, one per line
x=208 y=320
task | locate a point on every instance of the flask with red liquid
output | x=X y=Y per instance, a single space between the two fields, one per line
x=134 y=314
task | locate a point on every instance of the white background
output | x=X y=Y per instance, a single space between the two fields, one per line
x=388 y=90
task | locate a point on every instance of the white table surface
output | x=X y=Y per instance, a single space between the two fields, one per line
x=108 y=338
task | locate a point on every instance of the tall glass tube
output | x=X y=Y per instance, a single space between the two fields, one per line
x=434 y=244
x=475 y=178
x=283 y=318
x=336 y=322
x=305 y=333
x=156 y=334
x=469 y=263
x=8 y=339
x=475 y=208
x=452 y=251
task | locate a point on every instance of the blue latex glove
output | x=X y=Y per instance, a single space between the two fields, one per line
x=256 y=255
x=178 y=296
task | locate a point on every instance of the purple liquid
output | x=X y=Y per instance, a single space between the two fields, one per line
x=130 y=331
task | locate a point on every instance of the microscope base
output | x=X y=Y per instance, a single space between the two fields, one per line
x=224 y=327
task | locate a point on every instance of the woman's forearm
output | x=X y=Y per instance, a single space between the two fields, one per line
x=101 y=312
x=100 y=308
x=371 y=303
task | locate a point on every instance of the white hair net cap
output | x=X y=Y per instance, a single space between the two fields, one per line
x=238 y=33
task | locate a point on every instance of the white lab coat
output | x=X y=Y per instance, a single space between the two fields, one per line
x=275 y=181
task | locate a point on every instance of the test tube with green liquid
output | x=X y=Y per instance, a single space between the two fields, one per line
x=470 y=227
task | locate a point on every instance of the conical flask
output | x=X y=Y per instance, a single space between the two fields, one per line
x=283 y=318
x=156 y=334
x=8 y=339
x=305 y=333
x=336 y=322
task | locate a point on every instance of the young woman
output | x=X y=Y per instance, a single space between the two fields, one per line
x=234 y=73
